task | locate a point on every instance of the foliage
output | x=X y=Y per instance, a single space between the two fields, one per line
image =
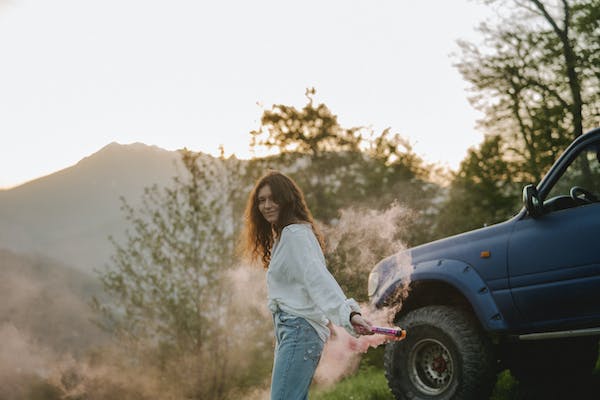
x=535 y=79
x=171 y=283
x=483 y=191
x=312 y=130
x=167 y=276
x=351 y=174
x=340 y=167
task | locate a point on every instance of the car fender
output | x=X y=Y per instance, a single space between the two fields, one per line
x=462 y=277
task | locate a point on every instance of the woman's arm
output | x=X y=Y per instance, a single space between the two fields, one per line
x=305 y=261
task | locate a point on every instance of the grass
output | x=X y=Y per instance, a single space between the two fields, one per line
x=367 y=384
x=370 y=384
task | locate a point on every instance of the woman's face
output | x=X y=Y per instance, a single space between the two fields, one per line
x=267 y=207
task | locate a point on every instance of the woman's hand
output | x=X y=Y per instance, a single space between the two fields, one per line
x=361 y=325
x=332 y=333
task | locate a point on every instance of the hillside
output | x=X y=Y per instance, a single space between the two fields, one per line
x=69 y=215
x=47 y=303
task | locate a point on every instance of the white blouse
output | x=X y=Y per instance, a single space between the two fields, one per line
x=299 y=283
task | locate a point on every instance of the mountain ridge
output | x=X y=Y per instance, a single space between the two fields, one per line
x=111 y=149
x=69 y=215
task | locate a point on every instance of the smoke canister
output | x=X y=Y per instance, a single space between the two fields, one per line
x=396 y=333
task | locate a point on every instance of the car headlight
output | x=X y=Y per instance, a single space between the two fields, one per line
x=373 y=283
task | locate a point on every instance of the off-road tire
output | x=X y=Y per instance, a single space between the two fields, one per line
x=440 y=337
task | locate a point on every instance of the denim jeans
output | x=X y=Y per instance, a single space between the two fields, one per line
x=297 y=354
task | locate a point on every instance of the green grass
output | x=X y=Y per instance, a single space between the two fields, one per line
x=506 y=387
x=369 y=383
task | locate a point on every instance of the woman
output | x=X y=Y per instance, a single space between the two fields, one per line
x=303 y=296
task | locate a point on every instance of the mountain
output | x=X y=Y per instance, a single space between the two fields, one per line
x=69 y=215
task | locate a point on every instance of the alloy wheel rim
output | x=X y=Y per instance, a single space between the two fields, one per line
x=431 y=367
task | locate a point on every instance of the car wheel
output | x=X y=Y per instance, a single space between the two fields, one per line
x=445 y=356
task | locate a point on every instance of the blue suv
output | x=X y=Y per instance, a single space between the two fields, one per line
x=523 y=294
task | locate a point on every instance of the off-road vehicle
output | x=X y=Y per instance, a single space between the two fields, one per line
x=523 y=294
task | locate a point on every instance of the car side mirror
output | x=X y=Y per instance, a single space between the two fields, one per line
x=532 y=202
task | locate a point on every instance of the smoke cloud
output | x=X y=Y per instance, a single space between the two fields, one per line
x=38 y=362
x=374 y=235
x=370 y=236
x=21 y=360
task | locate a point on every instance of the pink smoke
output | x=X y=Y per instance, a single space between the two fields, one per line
x=342 y=351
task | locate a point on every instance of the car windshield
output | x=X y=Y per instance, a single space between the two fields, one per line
x=583 y=172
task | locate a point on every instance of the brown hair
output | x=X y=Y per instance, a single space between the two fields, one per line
x=258 y=234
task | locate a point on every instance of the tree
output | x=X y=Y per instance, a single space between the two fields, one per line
x=535 y=80
x=586 y=22
x=166 y=274
x=169 y=280
x=351 y=177
x=312 y=129
x=483 y=191
x=341 y=167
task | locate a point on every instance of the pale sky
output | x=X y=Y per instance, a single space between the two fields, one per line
x=76 y=75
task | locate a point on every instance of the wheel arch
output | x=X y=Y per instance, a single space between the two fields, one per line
x=433 y=292
x=449 y=282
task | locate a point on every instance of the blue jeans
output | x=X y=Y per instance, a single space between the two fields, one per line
x=297 y=354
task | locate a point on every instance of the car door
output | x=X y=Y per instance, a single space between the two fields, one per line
x=554 y=260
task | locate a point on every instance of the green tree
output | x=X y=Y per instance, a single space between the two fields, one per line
x=171 y=285
x=342 y=170
x=535 y=79
x=167 y=274
x=483 y=191
x=314 y=129
x=340 y=167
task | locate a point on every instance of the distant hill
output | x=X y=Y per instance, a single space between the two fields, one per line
x=69 y=215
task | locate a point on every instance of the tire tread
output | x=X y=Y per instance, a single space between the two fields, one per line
x=479 y=372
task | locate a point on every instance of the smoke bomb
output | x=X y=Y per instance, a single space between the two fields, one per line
x=395 y=333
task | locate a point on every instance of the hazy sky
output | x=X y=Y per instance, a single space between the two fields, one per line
x=76 y=75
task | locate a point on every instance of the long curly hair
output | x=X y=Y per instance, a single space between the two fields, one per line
x=258 y=234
